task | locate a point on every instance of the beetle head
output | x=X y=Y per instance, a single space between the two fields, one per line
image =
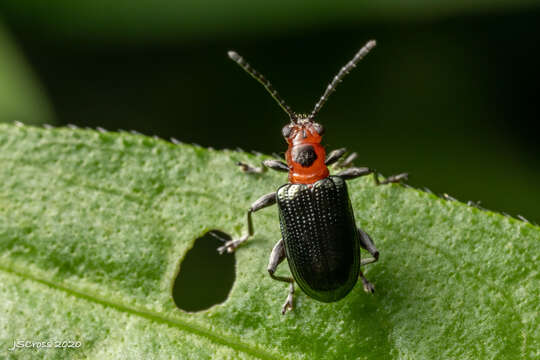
x=303 y=130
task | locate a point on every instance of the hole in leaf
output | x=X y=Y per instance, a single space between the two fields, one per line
x=205 y=277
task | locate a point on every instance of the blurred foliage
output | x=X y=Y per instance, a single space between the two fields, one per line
x=21 y=97
x=158 y=20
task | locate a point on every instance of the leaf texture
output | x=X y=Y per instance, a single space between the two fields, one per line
x=94 y=225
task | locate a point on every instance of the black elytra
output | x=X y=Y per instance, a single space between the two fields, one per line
x=320 y=236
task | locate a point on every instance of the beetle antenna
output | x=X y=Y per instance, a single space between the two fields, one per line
x=341 y=74
x=267 y=85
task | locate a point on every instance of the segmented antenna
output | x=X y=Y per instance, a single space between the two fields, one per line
x=260 y=78
x=341 y=74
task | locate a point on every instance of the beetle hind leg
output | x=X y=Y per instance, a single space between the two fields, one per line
x=276 y=257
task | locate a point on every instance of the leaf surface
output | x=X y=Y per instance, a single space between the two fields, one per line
x=93 y=227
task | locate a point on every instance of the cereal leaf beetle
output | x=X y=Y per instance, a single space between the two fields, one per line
x=320 y=239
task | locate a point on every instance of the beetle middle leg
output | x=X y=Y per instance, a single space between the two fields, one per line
x=276 y=257
x=368 y=287
x=262 y=202
x=367 y=243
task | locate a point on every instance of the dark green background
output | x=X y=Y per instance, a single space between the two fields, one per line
x=450 y=94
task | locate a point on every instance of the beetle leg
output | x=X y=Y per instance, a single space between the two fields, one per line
x=262 y=202
x=367 y=243
x=251 y=169
x=289 y=302
x=368 y=287
x=348 y=161
x=276 y=165
x=276 y=257
x=354 y=172
x=334 y=156
x=271 y=164
x=391 y=179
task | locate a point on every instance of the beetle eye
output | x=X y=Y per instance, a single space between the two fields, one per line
x=318 y=128
x=286 y=131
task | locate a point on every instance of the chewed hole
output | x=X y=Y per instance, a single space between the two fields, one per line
x=205 y=277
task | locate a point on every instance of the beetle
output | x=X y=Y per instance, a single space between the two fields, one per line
x=320 y=239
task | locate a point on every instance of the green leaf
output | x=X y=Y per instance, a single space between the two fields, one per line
x=21 y=97
x=93 y=227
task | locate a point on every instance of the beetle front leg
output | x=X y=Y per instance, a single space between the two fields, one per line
x=250 y=169
x=348 y=161
x=334 y=156
x=276 y=257
x=367 y=243
x=355 y=172
x=262 y=202
x=270 y=164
